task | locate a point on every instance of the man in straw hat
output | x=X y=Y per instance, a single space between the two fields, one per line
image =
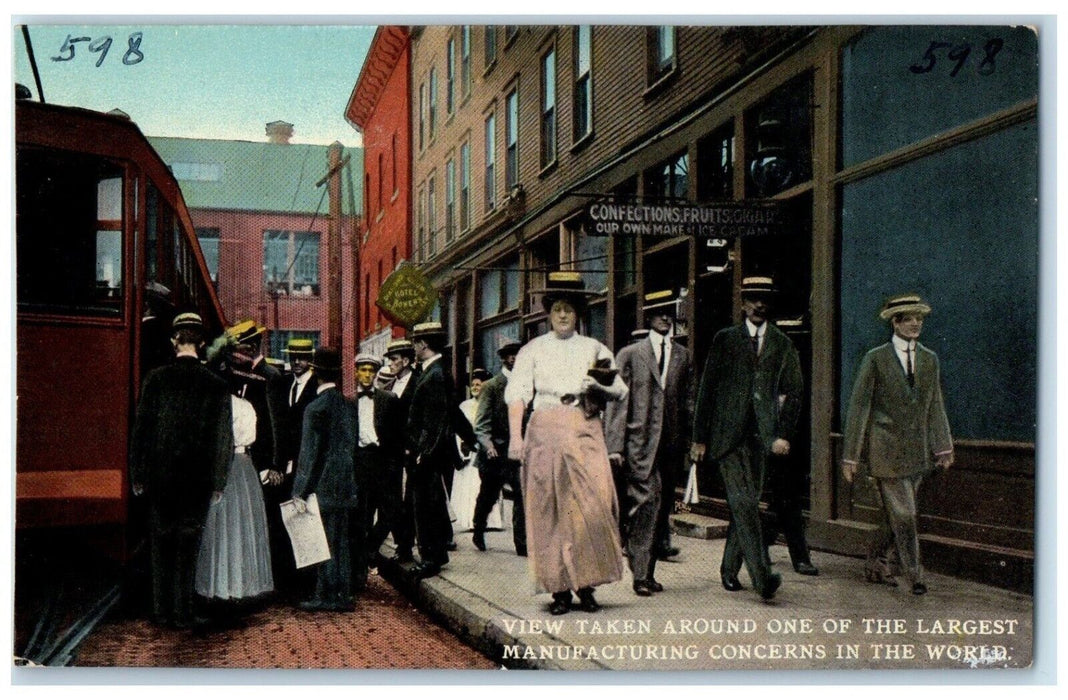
x=660 y=401
x=180 y=451
x=747 y=408
x=325 y=468
x=494 y=467
x=400 y=359
x=897 y=420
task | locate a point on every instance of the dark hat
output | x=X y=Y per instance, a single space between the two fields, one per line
x=480 y=373
x=758 y=287
x=245 y=331
x=326 y=359
x=400 y=346
x=300 y=346
x=663 y=301
x=508 y=346
x=427 y=329
x=904 y=304
x=189 y=320
x=366 y=358
x=565 y=285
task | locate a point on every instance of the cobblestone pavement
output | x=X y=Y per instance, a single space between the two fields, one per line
x=385 y=632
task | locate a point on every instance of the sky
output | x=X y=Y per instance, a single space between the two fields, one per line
x=216 y=81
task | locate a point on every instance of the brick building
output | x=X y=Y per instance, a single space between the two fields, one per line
x=517 y=129
x=378 y=107
x=263 y=225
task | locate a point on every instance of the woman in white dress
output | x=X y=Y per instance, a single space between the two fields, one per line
x=466 y=481
x=568 y=493
x=234 y=562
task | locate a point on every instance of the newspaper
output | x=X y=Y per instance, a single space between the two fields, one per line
x=306 y=532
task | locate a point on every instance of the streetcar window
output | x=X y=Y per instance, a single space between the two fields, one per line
x=69 y=233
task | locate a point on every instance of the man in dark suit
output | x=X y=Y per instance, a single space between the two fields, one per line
x=747 y=407
x=433 y=420
x=494 y=467
x=400 y=355
x=180 y=451
x=379 y=451
x=325 y=468
x=643 y=432
x=897 y=420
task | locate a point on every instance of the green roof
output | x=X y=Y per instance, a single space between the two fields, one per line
x=252 y=176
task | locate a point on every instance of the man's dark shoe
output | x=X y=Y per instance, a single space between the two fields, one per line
x=311 y=605
x=480 y=540
x=805 y=568
x=340 y=606
x=450 y=547
x=426 y=569
x=403 y=556
x=731 y=582
x=655 y=586
x=666 y=552
x=772 y=585
x=919 y=588
x=521 y=550
x=643 y=588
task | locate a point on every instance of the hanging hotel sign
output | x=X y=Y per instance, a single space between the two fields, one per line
x=717 y=220
x=406 y=297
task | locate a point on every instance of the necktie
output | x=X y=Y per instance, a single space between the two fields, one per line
x=293 y=393
x=755 y=340
x=911 y=369
x=368 y=394
x=663 y=356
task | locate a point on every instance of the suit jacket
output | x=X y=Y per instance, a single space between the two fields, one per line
x=433 y=419
x=182 y=440
x=325 y=465
x=276 y=409
x=735 y=381
x=293 y=416
x=896 y=428
x=389 y=424
x=491 y=417
x=651 y=412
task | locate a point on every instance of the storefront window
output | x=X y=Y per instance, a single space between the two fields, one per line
x=489 y=339
x=779 y=140
x=669 y=180
x=715 y=165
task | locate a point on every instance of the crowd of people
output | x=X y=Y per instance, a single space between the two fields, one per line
x=586 y=443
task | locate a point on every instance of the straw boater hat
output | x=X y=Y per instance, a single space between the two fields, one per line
x=300 y=348
x=245 y=331
x=565 y=286
x=187 y=320
x=639 y=334
x=326 y=359
x=508 y=346
x=400 y=346
x=427 y=330
x=758 y=287
x=904 y=304
x=365 y=358
x=663 y=301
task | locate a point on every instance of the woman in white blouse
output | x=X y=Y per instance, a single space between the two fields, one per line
x=568 y=493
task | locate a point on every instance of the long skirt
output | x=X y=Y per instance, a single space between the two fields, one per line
x=466 y=483
x=235 y=555
x=572 y=513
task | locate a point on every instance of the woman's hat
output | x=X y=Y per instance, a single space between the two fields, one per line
x=326 y=359
x=565 y=286
x=480 y=374
x=300 y=346
x=904 y=304
x=427 y=330
x=758 y=287
x=187 y=320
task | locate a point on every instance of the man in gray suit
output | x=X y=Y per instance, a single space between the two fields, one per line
x=747 y=408
x=643 y=432
x=897 y=420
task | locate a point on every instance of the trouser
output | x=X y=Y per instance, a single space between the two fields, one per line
x=742 y=470
x=899 y=527
x=432 y=524
x=384 y=497
x=174 y=543
x=333 y=582
x=667 y=465
x=643 y=508
x=404 y=524
x=786 y=482
x=494 y=475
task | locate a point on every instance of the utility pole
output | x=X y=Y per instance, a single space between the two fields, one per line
x=333 y=243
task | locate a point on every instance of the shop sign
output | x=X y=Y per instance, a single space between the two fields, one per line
x=406 y=296
x=716 y=220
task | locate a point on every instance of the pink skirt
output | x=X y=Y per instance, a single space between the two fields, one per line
x=570 y=502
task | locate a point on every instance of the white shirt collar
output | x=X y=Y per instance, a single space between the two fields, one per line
x=430 y=360
x=755 y=329
x=506 y=372
x=303 y=378
x=181 y=353
x=324 y=386
x=901 y=344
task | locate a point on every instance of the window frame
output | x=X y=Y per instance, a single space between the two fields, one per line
x=511 y=138
x=548 y=117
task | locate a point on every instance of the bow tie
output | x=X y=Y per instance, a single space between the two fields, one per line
x=369 y=394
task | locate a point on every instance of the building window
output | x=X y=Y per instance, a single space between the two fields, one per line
x=381 y=178
x=431 y=216
x=420 y=221
x=422 y=114
x=450 y=200
x=197 y=172
x=661 y=52
x=669 y=180
x=279 y=340
x=433 y=99
x=779 y=140
x=465 y=186
x=491 y=162
x=511 y=133
x=291 y=262
x=465 y=60
x=393 y=164
x=499 y=288
x=548 y=108
x=491 y=45
x=511 y=31
x=715 y=165
x=450 y=75
x=582 y=101
x=366 y=199
x=209 y=246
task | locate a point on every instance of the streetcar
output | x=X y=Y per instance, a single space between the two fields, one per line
x=106 y=255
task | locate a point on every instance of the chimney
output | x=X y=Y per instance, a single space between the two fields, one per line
x=279 y=132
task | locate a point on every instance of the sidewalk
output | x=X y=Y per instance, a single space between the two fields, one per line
x=833 y=621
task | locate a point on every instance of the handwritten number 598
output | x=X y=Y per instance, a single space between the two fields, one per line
x=959 y=54
x=102 y=45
